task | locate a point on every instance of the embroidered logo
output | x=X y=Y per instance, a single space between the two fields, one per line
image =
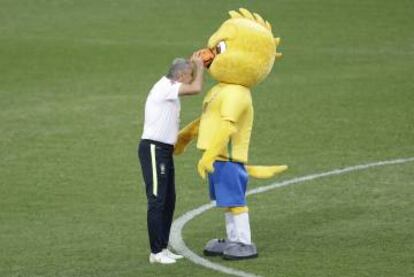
x=162 y=169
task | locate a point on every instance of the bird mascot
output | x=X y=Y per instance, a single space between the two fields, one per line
x=240 y=54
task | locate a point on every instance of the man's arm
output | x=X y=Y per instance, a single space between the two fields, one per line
x=197 y=84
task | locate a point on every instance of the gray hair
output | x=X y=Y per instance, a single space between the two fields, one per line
x=178 y=65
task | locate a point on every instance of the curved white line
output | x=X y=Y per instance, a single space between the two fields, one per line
x=176 y=239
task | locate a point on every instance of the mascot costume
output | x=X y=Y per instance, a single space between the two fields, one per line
x=239 y=55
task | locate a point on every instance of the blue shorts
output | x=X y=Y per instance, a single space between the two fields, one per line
x=228 y=184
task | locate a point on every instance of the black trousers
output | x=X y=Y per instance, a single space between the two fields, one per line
x=157 y=165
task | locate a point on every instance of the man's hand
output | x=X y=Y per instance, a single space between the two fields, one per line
x=205 y=165
x=196 y=84
x=197 y=60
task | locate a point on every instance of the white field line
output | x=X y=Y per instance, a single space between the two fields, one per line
x=176 y=239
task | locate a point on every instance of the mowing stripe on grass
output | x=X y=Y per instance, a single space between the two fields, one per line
x=178 y=243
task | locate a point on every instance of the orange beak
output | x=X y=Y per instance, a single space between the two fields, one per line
x=207 y=55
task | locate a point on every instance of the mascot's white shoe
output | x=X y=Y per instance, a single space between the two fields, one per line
x=215 y=247
x=171 y=255
x=160 y=258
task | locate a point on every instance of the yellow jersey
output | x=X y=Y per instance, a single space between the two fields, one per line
x=232 y=103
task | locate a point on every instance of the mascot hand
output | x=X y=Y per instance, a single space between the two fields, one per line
x=205 y=165
x=264 y=172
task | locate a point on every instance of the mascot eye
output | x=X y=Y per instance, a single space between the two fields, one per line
x=221 y=47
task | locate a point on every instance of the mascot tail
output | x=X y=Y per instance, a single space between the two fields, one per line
x=265 y=172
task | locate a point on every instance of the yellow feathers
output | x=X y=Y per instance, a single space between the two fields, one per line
x=244 y=13
x=277 y=41
x=234 y=14
x=259 y=19
x=250 y=49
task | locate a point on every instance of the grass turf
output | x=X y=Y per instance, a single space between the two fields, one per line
x=73 y=80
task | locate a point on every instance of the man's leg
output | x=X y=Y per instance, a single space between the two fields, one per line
x=169 y=207
x=148 y=159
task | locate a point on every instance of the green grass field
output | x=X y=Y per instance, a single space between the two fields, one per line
x=74 y=76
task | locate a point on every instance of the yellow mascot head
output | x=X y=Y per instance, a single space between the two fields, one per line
x=244 y=48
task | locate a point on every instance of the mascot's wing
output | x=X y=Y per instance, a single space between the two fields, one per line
x=186 y=135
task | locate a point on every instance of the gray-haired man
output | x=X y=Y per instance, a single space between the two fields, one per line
x=155 y=151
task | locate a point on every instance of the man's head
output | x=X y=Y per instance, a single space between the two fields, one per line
x=181 y=70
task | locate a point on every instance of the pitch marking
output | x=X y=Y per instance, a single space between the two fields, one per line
x=178 y=243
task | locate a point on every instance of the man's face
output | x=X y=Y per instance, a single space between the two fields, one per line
x=186 y=76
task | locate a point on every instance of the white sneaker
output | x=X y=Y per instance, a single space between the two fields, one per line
x=160 y=258
x=171 y=255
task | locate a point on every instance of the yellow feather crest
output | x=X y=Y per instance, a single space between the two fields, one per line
x=244 y=13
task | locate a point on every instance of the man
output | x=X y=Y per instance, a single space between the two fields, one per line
x=161 y=126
